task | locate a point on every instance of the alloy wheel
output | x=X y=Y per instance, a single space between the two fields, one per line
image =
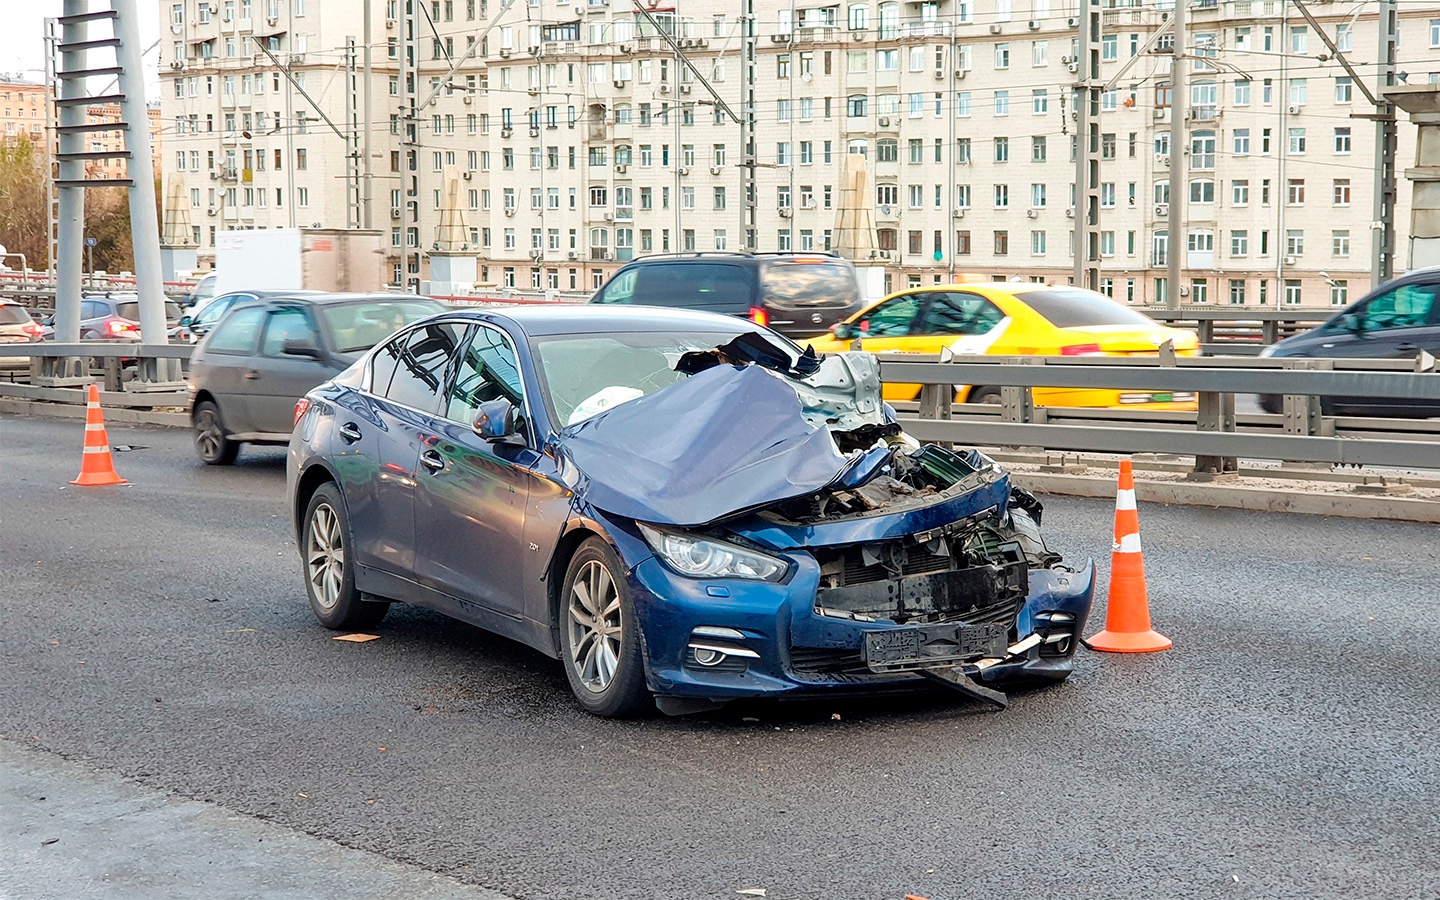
x=325 y=559
x=208 y=433
x=595 y=626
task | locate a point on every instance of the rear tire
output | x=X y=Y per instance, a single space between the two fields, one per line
x=211 y=441
x=1271 y=403
x=600 y=635
x=326 y=548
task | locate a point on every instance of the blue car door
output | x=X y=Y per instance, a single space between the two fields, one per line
x=471 y=496
x=385 y=430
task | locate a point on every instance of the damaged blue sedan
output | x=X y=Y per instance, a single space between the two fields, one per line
x=683 y=508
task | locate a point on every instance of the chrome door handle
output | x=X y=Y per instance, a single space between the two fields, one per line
x=251 y=375
x=350 y=433
x=1407 y=347
x=432 y=461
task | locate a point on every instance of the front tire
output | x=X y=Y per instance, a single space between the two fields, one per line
x=211 y=442
x=985 y=395
x=600 y=636
x=329 y=569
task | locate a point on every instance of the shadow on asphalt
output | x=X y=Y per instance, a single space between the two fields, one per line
x=514 y=678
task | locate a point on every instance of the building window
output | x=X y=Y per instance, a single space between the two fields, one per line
x=1295 y=192
x=1339 y=293
x=1002 y=103
x=1037 y=243
x=1342 y=140
x=1239 y=242
x=1295 y=242
x=1002 y=243
x=1002 y=196
x=1340 y=243
x=1202 y=191
x=1237 y=291
x=1002 y=149
x=1292 y=292
x=1297 y=141
x=1240 y=192
x=1199 y=290
x=1342 y=192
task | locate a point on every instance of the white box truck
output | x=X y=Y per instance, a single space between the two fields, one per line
x=320 y=259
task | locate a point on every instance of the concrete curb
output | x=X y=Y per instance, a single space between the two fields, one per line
x=114 y=415
x=1234 y=496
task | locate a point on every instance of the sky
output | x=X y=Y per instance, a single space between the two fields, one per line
x=22 y=44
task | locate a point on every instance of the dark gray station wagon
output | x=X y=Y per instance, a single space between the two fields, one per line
x=263 y=356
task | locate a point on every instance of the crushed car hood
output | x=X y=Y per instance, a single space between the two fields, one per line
x=727 y=439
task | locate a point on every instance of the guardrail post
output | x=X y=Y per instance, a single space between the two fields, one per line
x=936 y=401
x=1017 y=402
x=157 y=375
x=59 y=371
x=114 y=381
x=1270 y=330
x=1304 y=413
x=1216 y=413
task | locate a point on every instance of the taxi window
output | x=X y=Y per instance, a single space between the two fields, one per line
x=238 y=332
x=891 y=318
x=959 y=312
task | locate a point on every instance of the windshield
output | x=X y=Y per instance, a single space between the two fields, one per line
x=1077 y=308
x=585 y=374
x=810 y=284
x=10 y=314
x=130 y=309
x=359 y=326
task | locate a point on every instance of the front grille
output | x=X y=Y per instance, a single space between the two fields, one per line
x=827 y=661
x=918 y=561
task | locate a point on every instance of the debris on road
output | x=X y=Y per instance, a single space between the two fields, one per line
x=752 y=892
x=356 y=638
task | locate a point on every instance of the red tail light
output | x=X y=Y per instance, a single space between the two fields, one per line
x=301 y=406
x=119 y=326
x=32 y=328
x=1081 y=350
x=759 y=316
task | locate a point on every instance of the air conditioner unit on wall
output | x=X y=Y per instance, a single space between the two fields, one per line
x=994 y=29
x=1162 y=209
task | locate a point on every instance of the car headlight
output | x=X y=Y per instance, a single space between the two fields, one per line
x=701 y=557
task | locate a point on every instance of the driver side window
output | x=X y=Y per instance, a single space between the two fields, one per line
x=891 y=318
x=1407 y=306
x=485 y=370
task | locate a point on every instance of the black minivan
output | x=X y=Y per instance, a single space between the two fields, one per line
x=797 y=294
x=1397 y=320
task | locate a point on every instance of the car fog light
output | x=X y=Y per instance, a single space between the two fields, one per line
x=707 y=657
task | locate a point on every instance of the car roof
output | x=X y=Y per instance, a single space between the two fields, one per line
x=569 y=318
x=266 y=293
x=324 y=298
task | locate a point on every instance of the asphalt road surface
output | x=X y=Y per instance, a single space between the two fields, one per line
x=1286 y=747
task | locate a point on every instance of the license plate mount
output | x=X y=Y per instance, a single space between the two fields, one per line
x=918 y=646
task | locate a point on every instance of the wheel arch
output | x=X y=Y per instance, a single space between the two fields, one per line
x=310 y=480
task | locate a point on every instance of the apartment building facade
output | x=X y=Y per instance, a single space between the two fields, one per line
x=582 y=137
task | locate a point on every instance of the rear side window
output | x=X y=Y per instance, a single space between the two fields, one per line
x=715 y=287
x=1075 y=308
x=130 y=309
x=809 y=284
x=960 y=312
x=93 y=309
x=411 y=369
x=1407 y=306
x=10 y=314
x=238 y=332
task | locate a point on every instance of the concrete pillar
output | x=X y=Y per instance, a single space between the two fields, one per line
x=1422 y=102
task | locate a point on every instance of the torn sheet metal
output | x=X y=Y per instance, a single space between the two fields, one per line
x=725 y=440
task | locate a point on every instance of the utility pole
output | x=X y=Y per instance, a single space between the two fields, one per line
x=367 y=194
x=409 y=88
x=747 y=129
x=1087 y=160
x=354 y=216
x=70 y=235
x=1382 y=246
x=1178 y=157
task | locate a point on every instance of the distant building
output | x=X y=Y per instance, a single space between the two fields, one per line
x=583 y=141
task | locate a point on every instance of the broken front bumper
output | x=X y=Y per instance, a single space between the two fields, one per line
x=726 y=639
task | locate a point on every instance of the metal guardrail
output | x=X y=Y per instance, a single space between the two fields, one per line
x=1215 y=436
x=116 y=390
x=1238 y=331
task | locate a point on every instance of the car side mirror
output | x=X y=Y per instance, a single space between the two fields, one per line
x=301 y=347
x=843 y=331
x=498 y=422
x=1351 y=323
x=187 y=321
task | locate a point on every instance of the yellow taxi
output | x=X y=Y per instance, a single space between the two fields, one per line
x=1013 y=319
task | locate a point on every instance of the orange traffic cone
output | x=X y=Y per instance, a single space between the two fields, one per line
x=96 y=467
x=1127 y=616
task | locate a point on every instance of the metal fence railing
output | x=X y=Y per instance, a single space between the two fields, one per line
x=1214 y=434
